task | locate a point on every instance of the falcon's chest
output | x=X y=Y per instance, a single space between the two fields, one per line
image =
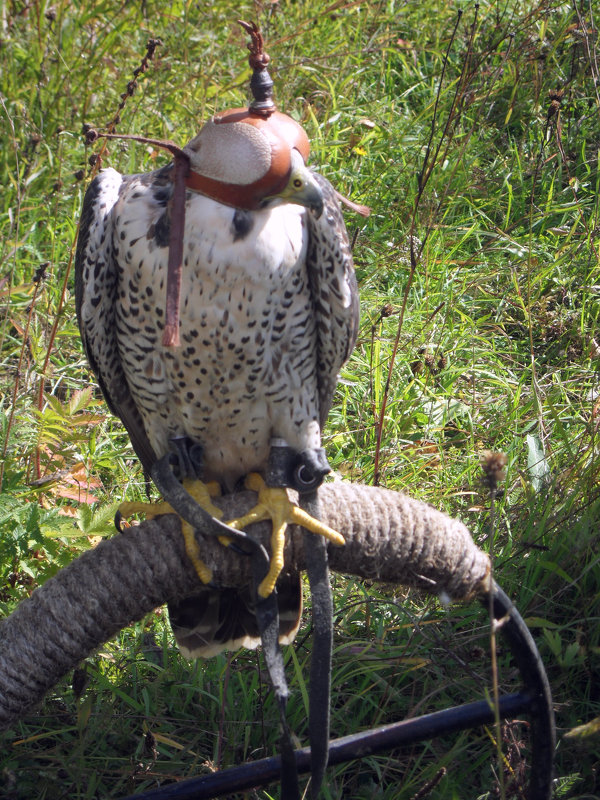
x=248 y=339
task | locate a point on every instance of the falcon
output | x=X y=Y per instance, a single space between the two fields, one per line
x=266 y=314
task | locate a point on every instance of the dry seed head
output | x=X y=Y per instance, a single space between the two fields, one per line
x=555 y=96
x=494 y=468
x=40 y=272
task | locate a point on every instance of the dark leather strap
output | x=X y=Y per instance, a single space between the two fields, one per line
x=267 y=617
x=315 y=550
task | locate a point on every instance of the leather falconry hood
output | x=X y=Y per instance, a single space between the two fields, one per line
x=239 y=157
x=244 y=155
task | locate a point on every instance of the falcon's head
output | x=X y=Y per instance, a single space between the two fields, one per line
x=250 y=161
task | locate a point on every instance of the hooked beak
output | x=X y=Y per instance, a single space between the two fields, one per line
x=302 y=188
x=315 y=201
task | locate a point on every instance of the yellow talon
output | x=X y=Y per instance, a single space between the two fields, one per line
x=151 y=510
x=202 y=493
x=275 y=504
x=193 y=552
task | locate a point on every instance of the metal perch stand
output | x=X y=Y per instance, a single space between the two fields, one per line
x=389 y=537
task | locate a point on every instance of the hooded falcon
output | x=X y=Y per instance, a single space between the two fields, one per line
x=267 y=316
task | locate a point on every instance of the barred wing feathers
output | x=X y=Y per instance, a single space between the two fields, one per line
x=335 y=294
x=96 y=287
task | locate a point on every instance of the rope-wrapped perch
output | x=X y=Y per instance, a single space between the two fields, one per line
x=389 y=537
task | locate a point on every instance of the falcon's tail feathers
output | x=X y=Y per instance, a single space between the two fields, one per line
x=213 y=620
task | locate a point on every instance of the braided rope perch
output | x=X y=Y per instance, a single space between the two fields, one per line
x=389 y=537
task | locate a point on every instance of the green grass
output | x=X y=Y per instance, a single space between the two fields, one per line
x=489 y=341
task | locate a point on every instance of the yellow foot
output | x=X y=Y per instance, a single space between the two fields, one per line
x=202 y=493
x=275 y=504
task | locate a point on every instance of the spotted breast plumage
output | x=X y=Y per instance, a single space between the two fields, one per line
x=268 y=315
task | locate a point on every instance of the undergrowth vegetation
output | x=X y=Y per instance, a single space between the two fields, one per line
x=473 y=133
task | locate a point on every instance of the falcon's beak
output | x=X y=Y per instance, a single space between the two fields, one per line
x=301 y=188
x=315 y=202
x=309 y=196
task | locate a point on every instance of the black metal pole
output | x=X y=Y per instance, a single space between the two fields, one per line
x=535 y=700
x=535 y=680
x=347 y=748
